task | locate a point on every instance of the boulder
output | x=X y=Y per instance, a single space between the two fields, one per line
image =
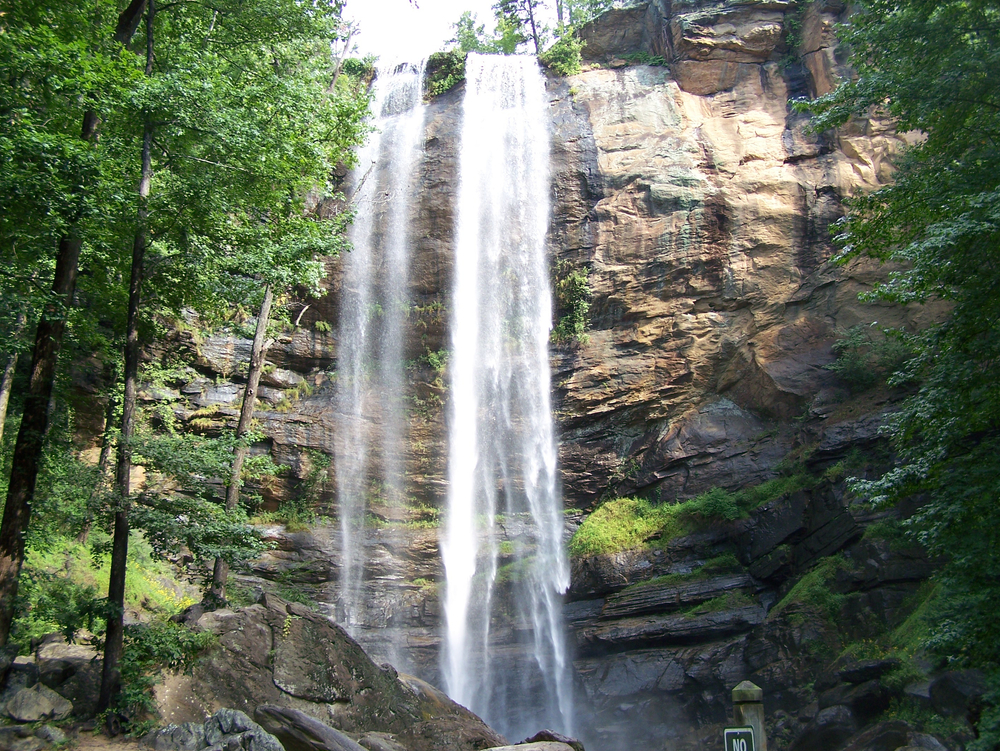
x=553 y=736
x=226 y=730
x=956 y=692
x=12 y=734
x=380 y=742
x=28 y=705
x=866 y=700
x=51 y=734
x=287 y=656
x=298 y=731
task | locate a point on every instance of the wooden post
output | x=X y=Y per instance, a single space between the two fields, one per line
x=748 y=710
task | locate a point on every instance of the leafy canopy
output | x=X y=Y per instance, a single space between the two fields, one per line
x=932 y=67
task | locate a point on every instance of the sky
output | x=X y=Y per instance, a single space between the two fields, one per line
x=404 y=30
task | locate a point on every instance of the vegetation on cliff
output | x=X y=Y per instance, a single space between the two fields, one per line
x=932 y=67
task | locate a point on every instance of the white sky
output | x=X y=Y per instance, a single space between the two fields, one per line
x=401 y=30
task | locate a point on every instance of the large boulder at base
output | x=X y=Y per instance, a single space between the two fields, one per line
x=298 y=731
x=284 y=655
x=37 y=703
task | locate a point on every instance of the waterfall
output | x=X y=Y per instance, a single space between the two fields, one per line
x=505 y=654
x=370 y=430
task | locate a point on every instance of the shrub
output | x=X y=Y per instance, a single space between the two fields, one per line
x=863 y=360
x=149 y=650
x=563 y=57
x=444 y=71
x=624 y=524
x=573 y=302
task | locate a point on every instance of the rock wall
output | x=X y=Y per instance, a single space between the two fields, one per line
x=700 y=204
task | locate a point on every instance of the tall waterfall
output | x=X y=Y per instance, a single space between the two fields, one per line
x=370 y=432
x=505 y=653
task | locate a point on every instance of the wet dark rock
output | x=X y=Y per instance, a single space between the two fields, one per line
x=641 y=600
x=670 y=629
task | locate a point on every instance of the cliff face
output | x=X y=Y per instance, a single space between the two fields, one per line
x=700 y=205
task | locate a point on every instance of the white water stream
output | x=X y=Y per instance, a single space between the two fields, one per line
x=505 y=654
x=371 y=433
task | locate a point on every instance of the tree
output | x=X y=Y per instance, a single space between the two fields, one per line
x=932 y=67
x=231 y=143
x=61 y=67
x=469 y=35
x=516 y=24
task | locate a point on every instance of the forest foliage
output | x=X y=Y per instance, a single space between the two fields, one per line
x=932 y=67
x=173 y=154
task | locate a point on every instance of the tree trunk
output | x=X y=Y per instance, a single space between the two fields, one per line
x=531 y=20
x=8 y=374
x=559 y=12
x=31 y=435
x=114 y=636
x=35 y=415
x=220 y=573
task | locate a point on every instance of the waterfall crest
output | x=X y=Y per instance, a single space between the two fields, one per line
x=505 y=654
x=371 y=424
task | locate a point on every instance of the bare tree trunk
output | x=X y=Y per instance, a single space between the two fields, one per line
x=114 y=636
x=559 y=12
x=8 y=374
x=220 y=573
x=35 y=415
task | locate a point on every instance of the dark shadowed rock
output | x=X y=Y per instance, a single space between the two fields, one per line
x=300 y=732
x=868 y=670
x=827 y=731
x=866 y=700
x=957 y=692
x=883 y=736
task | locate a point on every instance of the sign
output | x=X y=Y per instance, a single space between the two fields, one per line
x=739 y=739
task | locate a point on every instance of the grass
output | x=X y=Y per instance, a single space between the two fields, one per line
x=723 y=564
x=813 y=590
x=59 y=584
x=636 y=523
x=727 y=601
